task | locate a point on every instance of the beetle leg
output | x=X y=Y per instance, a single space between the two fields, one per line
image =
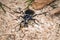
x=36 y=15
x=19 y=12
x=22 y=12
x=18 y=17
x=40 y=14
x=26 y=24
x=20 y=25
x=34 y=21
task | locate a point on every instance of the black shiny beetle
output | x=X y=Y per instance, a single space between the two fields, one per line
x=28 y=15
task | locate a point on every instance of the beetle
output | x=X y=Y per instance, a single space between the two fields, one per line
x=27 y=16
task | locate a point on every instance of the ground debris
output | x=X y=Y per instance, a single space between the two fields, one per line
x=38 y=4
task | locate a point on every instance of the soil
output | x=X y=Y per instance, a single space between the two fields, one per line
x=47 y=27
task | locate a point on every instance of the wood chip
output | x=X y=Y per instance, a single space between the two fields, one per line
x=38 y=4
x=55 y=11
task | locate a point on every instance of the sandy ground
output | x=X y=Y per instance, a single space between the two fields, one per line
x=48 y=27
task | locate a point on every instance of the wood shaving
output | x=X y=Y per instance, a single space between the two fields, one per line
x=55 y=11
x=38 y=4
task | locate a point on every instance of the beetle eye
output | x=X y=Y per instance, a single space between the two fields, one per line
x=30 y=12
